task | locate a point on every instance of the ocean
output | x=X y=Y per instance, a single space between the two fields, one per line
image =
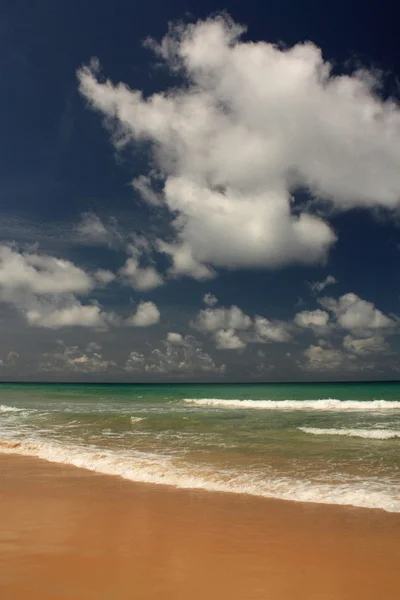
x=334 y=443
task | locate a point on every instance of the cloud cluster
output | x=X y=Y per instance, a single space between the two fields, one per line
x=178 y=356
x=357 y=315
x=367 y=325
x=72 y=359
x=325 y=358
x=213 y=319
x=45 y=289
x=232 y=329
x=355 y=329
x=249 y=124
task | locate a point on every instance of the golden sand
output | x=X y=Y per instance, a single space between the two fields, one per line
x=66 y=533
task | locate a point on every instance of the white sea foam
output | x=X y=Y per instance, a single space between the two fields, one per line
x=325 y=404
x=161 y=469
x=6 y=409
x=137 y=419
x=370 y=434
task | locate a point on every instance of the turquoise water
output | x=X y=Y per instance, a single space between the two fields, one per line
x=332 y=443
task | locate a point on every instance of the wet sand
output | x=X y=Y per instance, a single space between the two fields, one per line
x=66 y=533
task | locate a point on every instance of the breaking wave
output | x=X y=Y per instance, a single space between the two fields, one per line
x=5 y=409
x=369 y=434
x=325 y=404
x=161 y=469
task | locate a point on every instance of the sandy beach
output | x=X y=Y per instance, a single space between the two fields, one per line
x=67 y=533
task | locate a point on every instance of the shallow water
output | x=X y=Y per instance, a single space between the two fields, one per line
x=329 y=443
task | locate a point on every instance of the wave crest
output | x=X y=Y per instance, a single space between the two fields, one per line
x=324 y=404
x=369 y=434
x=4 y=408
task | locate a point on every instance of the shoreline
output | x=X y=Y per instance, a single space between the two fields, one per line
x=67 y=532
x=9 y=448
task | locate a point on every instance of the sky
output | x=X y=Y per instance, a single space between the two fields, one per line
x=199 y=193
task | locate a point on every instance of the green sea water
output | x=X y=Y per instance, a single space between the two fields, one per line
x=333 y=443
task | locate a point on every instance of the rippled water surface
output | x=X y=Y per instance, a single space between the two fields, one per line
x=331 y=443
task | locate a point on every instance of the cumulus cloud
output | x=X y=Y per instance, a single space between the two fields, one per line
x=317 y=286
x=250 y=123
x=232 y=329
x=212 y=319
x=140 y=278
x=184 y=262
x=317 y=320
x=324 y=358
x=33 y=273
x=210 y=299
x=146 y=314
x=44 y=289
x=176 y=339
x=357 y=315
x=74 y=314
x=227 y=339
x=271 y=331
x=363 y=346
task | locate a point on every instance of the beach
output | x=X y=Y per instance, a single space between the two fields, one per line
x=68 y=533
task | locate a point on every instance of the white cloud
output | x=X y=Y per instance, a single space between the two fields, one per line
x=271 y=331
x=357 y=315
x=232 y=329
x=184 y=262
x=146 y=314
x=43 y=289
x=212 y=319
x=175 y=339
x=140 y=278
x=363 y=346
x=317 y=286
x=142 y=184
x=178 y=359
x=33 y=273
x=227 y=339
x=10 y=361
x=73 y=359
x=317 y=320
x=210 y=299
x=323 y=358
x=135 y=362
x=73 y=315
x=93 y=347
x=249 y=123
x=104 y=276
x=91 y=230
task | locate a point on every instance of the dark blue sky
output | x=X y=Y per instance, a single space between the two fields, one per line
x=66 y=194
